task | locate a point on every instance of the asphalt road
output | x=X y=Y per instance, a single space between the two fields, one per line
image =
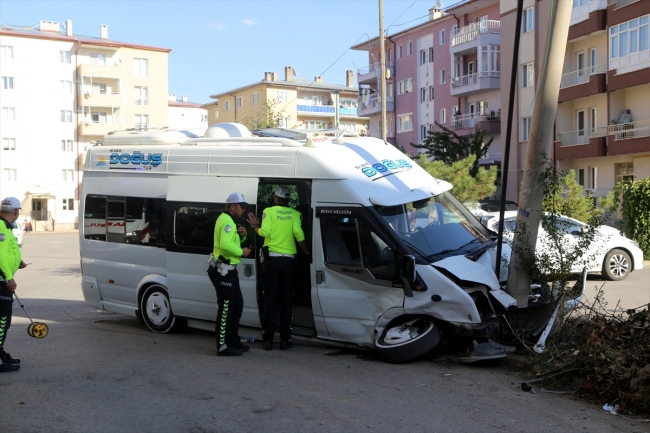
x=104 y=372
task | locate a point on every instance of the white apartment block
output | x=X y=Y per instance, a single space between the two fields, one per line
x=183 y=114
x=59 y=94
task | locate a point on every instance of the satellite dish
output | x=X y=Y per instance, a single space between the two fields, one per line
x=294 y=73
x=438 y=4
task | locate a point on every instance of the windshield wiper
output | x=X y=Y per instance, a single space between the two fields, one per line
x=451 y=250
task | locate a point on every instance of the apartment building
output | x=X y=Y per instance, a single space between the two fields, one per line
x=62 y=92
x=603 y=116
x=305 y=104
x=445 y=70
x=183 y=114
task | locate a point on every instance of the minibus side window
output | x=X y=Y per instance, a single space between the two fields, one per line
x=95 y=218
x=115 y=221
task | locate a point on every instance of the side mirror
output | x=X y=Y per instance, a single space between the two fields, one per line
x=408 y=268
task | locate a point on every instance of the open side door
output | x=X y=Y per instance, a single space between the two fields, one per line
x=193 y=206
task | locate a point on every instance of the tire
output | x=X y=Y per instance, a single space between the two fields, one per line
x=411 y=338
x=617 y=265
x=156 y=310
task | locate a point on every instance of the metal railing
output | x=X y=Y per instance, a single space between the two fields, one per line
x=621 y=3
x=141 y=101
x=630 y=130
x=468 y=80
x=349 y=111
x=580 y=136
x=373 y=67
x=142 y=126
x=471 y=120
x=328 y=109
x=581 y=76
x=470 y=32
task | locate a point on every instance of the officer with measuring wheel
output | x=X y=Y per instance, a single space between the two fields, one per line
x=280 y=226
x=10 y=262
x=222 y=271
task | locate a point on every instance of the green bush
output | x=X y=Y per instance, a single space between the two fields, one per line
x=633 y=198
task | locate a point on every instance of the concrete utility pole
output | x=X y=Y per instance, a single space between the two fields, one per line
x=539 y=143
x=382 y=68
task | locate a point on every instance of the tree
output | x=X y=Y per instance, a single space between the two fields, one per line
x=466 y=187
x=449 y=147
x=269 y=115
x=634 y=200
x=567 y=197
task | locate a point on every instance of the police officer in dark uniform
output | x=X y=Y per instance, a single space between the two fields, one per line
x=280 y=226
x=222 y=271
x=10 y=262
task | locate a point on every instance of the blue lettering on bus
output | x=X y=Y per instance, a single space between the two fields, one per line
x=137 y=158
x=386 y=165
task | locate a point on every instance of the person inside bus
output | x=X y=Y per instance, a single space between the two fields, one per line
x=280 y=226
x=226 y=254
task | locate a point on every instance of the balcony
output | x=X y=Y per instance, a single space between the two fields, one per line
x=475 y=83
x=316 y=110
x=99 y=71
x=620 y=3
x=582 y=83
x=583 y=143
x=90 y=128
x=630 y=137
x=470 y=37
x=489 y=123
x=587 y=17
x=372 y=74
x=108 y=99
x=371 y=104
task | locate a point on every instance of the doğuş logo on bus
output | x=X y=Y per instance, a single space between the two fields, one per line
x=383 y=168
x=137 y=158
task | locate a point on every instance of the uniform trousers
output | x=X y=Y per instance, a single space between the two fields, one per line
x=6 y=305
x=278 y=280
x=231 y=305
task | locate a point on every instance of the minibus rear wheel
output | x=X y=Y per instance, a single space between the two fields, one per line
x=156 y=309
x=407 y=339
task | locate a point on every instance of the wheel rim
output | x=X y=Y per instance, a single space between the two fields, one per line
x=618 y=265
x=405 y=332
x=157 y=308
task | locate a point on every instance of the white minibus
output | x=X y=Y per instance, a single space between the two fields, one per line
x=397 y=262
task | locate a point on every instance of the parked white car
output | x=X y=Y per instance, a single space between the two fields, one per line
x=614 y=255
x=18 y=233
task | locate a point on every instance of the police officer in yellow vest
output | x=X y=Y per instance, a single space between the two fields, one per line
x=280 y=226
x=227 y=253
x=10 y=262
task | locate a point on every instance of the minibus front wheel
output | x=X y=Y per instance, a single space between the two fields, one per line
x=407 y=338
x=156 y=309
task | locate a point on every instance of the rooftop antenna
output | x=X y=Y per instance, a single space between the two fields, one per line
x=438 y=4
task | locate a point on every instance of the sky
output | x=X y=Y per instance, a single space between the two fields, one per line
x=222 y=45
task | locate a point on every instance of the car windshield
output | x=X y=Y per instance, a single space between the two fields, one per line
x=437 y=227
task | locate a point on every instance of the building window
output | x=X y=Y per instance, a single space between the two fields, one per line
x=140 y=68
x=66 y=116
x=216 y=114
x=423 y=94
x=528 y=75
x=141 y=121
x=8 y=144
x=239 y=102
x=525 y=128
x=456 y=112
x=593 y=181
x=442 y=37
x=65 y=56
x=629 y=38
x=68 y=204
x=454 y=31
x=423 y=132
x=98 y=59
x=10 y=174
x=580 y=176
x=282 y=96
x=443 y=79
x=283 y=122
x=399 y=51
x=255 y=97
x=8 y=83
x=98 y=117
x=482 y=108
x=8 y=113
x=66 y=145
x=443 y=115
x=405 y=122
x=226 y=105
x=409 y=48
x=141 y=96
x=528 y=20
x=423 y=57
x=624 y=171
x=67 y=175
x=66 y=86
x=6 y=52
x=431 y=55
x=405 y=86
x=430 y=93
x=389 y=56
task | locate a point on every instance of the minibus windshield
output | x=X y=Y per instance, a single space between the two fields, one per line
x=437 y=227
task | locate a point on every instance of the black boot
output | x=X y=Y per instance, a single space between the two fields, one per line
x=9 y=367
x=229 y=351
x=7 y=359
x=286 y=344
x=268 y=345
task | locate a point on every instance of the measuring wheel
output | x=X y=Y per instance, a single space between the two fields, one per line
x=38 y=330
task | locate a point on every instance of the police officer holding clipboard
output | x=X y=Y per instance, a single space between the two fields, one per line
x=280 y=226
x=222 y=271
